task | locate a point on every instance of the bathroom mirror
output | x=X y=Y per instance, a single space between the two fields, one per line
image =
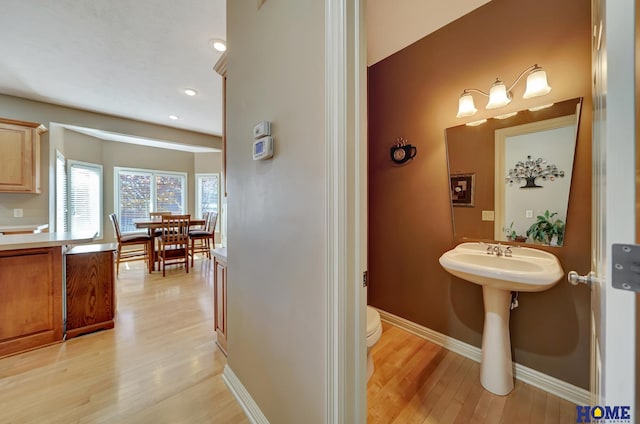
x=513 y=175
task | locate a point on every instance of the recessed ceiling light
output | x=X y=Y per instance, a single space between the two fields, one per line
x=217 y=44
x=174 y=117
x=190 y=92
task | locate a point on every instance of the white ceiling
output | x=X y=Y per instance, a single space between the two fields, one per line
x=393 y=25
x=133 y=58
x=128 y=58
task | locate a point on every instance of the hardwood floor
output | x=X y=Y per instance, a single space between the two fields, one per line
x=159 y=365
x=416 y=381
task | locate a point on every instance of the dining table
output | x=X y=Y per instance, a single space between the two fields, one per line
x=154 y=223
x=151 y=224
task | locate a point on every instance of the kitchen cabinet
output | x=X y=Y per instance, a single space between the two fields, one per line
x=30 y=298
x=91 y=299
x=20 y=156
x=220 y=297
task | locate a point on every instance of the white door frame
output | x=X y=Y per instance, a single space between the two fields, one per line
x=345 y=100
x=613 y=310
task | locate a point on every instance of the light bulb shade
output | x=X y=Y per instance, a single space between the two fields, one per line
x=536 y=84
x=498 y=95
x=466 y=106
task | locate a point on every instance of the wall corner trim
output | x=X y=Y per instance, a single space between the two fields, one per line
x=243 y=397
x=550 y=384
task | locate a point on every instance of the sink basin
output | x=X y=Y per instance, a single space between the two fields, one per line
x=526 y=270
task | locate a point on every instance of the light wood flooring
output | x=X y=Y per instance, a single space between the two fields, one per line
x=159 y=365
x=416 y=381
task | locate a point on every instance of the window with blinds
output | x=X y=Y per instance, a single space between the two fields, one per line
x=61 y=193
x=140 y=191
x=207 y=192
x=85 y=197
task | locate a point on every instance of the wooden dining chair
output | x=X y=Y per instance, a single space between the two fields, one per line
x=158 y=215
x=142 y=246
x=174 y=241
x=203 y=239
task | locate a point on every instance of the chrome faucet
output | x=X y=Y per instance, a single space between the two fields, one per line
x=497 y=250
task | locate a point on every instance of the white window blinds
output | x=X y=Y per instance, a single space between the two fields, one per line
x=85 y=197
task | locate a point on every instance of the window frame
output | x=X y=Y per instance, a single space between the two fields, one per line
x=154 y=173
x=198 y=200
x=95 y=166
x=62 y=193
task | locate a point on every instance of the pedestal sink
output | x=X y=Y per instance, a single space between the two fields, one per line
x=500 y=272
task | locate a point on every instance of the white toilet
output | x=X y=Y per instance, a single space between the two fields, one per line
x=374 y=331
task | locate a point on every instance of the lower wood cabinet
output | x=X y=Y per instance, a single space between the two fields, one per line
x=91 y=299
x=220 y=297
x=30 y=298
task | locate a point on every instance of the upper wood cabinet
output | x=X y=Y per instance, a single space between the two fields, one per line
x=20 y=156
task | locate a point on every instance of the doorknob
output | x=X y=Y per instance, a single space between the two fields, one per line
x=575 y=278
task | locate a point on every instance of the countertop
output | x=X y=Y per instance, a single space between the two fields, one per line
x=220 y=253
x=29 y=227
x=30 y=241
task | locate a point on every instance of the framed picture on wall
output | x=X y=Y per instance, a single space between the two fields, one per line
x=462 y=190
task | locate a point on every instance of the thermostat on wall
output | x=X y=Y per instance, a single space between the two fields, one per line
x=261 y=129
x=263 y=148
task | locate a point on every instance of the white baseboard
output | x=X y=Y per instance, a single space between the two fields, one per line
x=243 y=397
x=557 y=387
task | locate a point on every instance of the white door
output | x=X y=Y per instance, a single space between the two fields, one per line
x=613 y=310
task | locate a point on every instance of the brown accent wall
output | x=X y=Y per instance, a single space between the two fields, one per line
x=414 y=94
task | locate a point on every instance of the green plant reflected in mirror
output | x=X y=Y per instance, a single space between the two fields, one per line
x=522 y=167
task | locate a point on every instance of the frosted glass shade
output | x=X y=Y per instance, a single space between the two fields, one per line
x=536 y=84
x=466 y=107
x=498 y=95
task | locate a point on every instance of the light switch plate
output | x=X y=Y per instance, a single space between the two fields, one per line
x=528 y=213
x=18 y=213
x=488 y=215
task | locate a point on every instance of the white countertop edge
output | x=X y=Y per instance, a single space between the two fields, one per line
x=220 y=253
x=32 y=241
x=26 y=227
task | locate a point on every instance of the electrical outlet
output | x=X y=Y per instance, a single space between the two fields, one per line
x=18 y=213
x=528 y=213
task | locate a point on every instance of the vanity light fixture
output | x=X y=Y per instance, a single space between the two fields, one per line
x=499 y=95
x=476 y=123
x=537 y=108
x=506 y=115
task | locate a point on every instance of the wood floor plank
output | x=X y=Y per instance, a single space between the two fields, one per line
x=443 y=387
x=158 y=365
x=552 y=410
x=538 y=406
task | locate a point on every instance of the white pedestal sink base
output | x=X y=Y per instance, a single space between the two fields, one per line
x=496 y=370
